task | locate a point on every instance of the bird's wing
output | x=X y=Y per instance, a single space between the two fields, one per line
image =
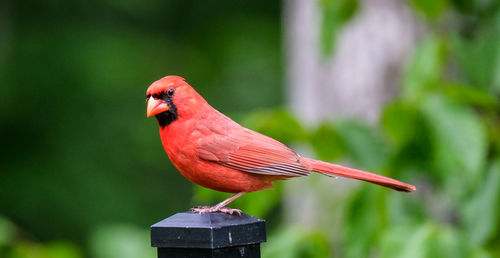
x=251 y=152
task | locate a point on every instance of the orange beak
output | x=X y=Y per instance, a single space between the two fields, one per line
x=156 y=106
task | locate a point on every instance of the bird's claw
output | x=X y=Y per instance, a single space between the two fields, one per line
x=208 y=209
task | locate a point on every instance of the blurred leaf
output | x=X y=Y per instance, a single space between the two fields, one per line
x=423 y=240
x=294 y=242
x=52 y=250
x=424 y=69
x=134 y=7
x=393 y=241
x=121 y=241
x=335 y=13
x=282 y=242
x=405 y=208
x=472 y=96
x=482 y=212
x=479 y=59
x=364 y=218
x=482 y=253
x=27 y=250
x=447 y=241
x=458 y=137
x=7 y=231
x=364 y=145
x=63 y=249
x=431 y=8
x=260 y=203
x=401 y=122
x=493 y=127
x=277 y=124
x=475 y=7
x=85 y=79
x=327 y=143
x=413 y=243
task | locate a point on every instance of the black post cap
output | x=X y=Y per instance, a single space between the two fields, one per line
x=208 y=233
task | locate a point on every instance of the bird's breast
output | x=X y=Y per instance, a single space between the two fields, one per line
x=180 y=143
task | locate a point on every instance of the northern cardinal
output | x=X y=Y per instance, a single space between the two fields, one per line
x=211 y=150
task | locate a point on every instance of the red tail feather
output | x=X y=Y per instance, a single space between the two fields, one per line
x=337 y=170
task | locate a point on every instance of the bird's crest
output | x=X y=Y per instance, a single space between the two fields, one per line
x=171 y=81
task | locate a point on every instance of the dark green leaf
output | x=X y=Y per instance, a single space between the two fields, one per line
x=458 y=137
x=471 y=95
x=364 y=220
x=479 y=59
x=121 y=241
x=7 y=231
x=424 y=69
x=400 y=121
x=431 y=8
x=482 y=212
x=364 y=145
x=335 y=13
x=327 y=143
x=63 y=250
x=277 y=124
x=295 y=242
x=423 y=240
x=260 y=203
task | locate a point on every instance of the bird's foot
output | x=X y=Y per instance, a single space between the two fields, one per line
x=208 y=209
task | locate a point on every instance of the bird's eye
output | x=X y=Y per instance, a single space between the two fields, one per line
x=170 y=92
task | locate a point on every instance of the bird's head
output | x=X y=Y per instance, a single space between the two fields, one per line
x=170 y=98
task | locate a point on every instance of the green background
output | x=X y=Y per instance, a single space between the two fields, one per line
x=83 y=172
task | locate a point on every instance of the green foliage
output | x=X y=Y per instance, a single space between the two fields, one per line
x=50 y=250
x=479 y=57
x=295 y=242
x=425 y=68
x=363 y=214
x=327 y=143
x=481 y=212
x=7 y=231
x=335 y=13
x=471 y=96
x=458 y=137
x=401 y=122
x=78 y=151
x=426 y=240
x=14 y=244
x=442 y=134
x=430 y=8
x=365 y=146
x=278 y=124
x=121 y=241
x=439 y=135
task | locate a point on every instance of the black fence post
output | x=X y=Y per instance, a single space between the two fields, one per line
x=208 y=235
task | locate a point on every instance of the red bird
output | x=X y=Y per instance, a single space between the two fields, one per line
x=211 y=150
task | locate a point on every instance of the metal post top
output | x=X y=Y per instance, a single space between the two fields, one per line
x=211 y=230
